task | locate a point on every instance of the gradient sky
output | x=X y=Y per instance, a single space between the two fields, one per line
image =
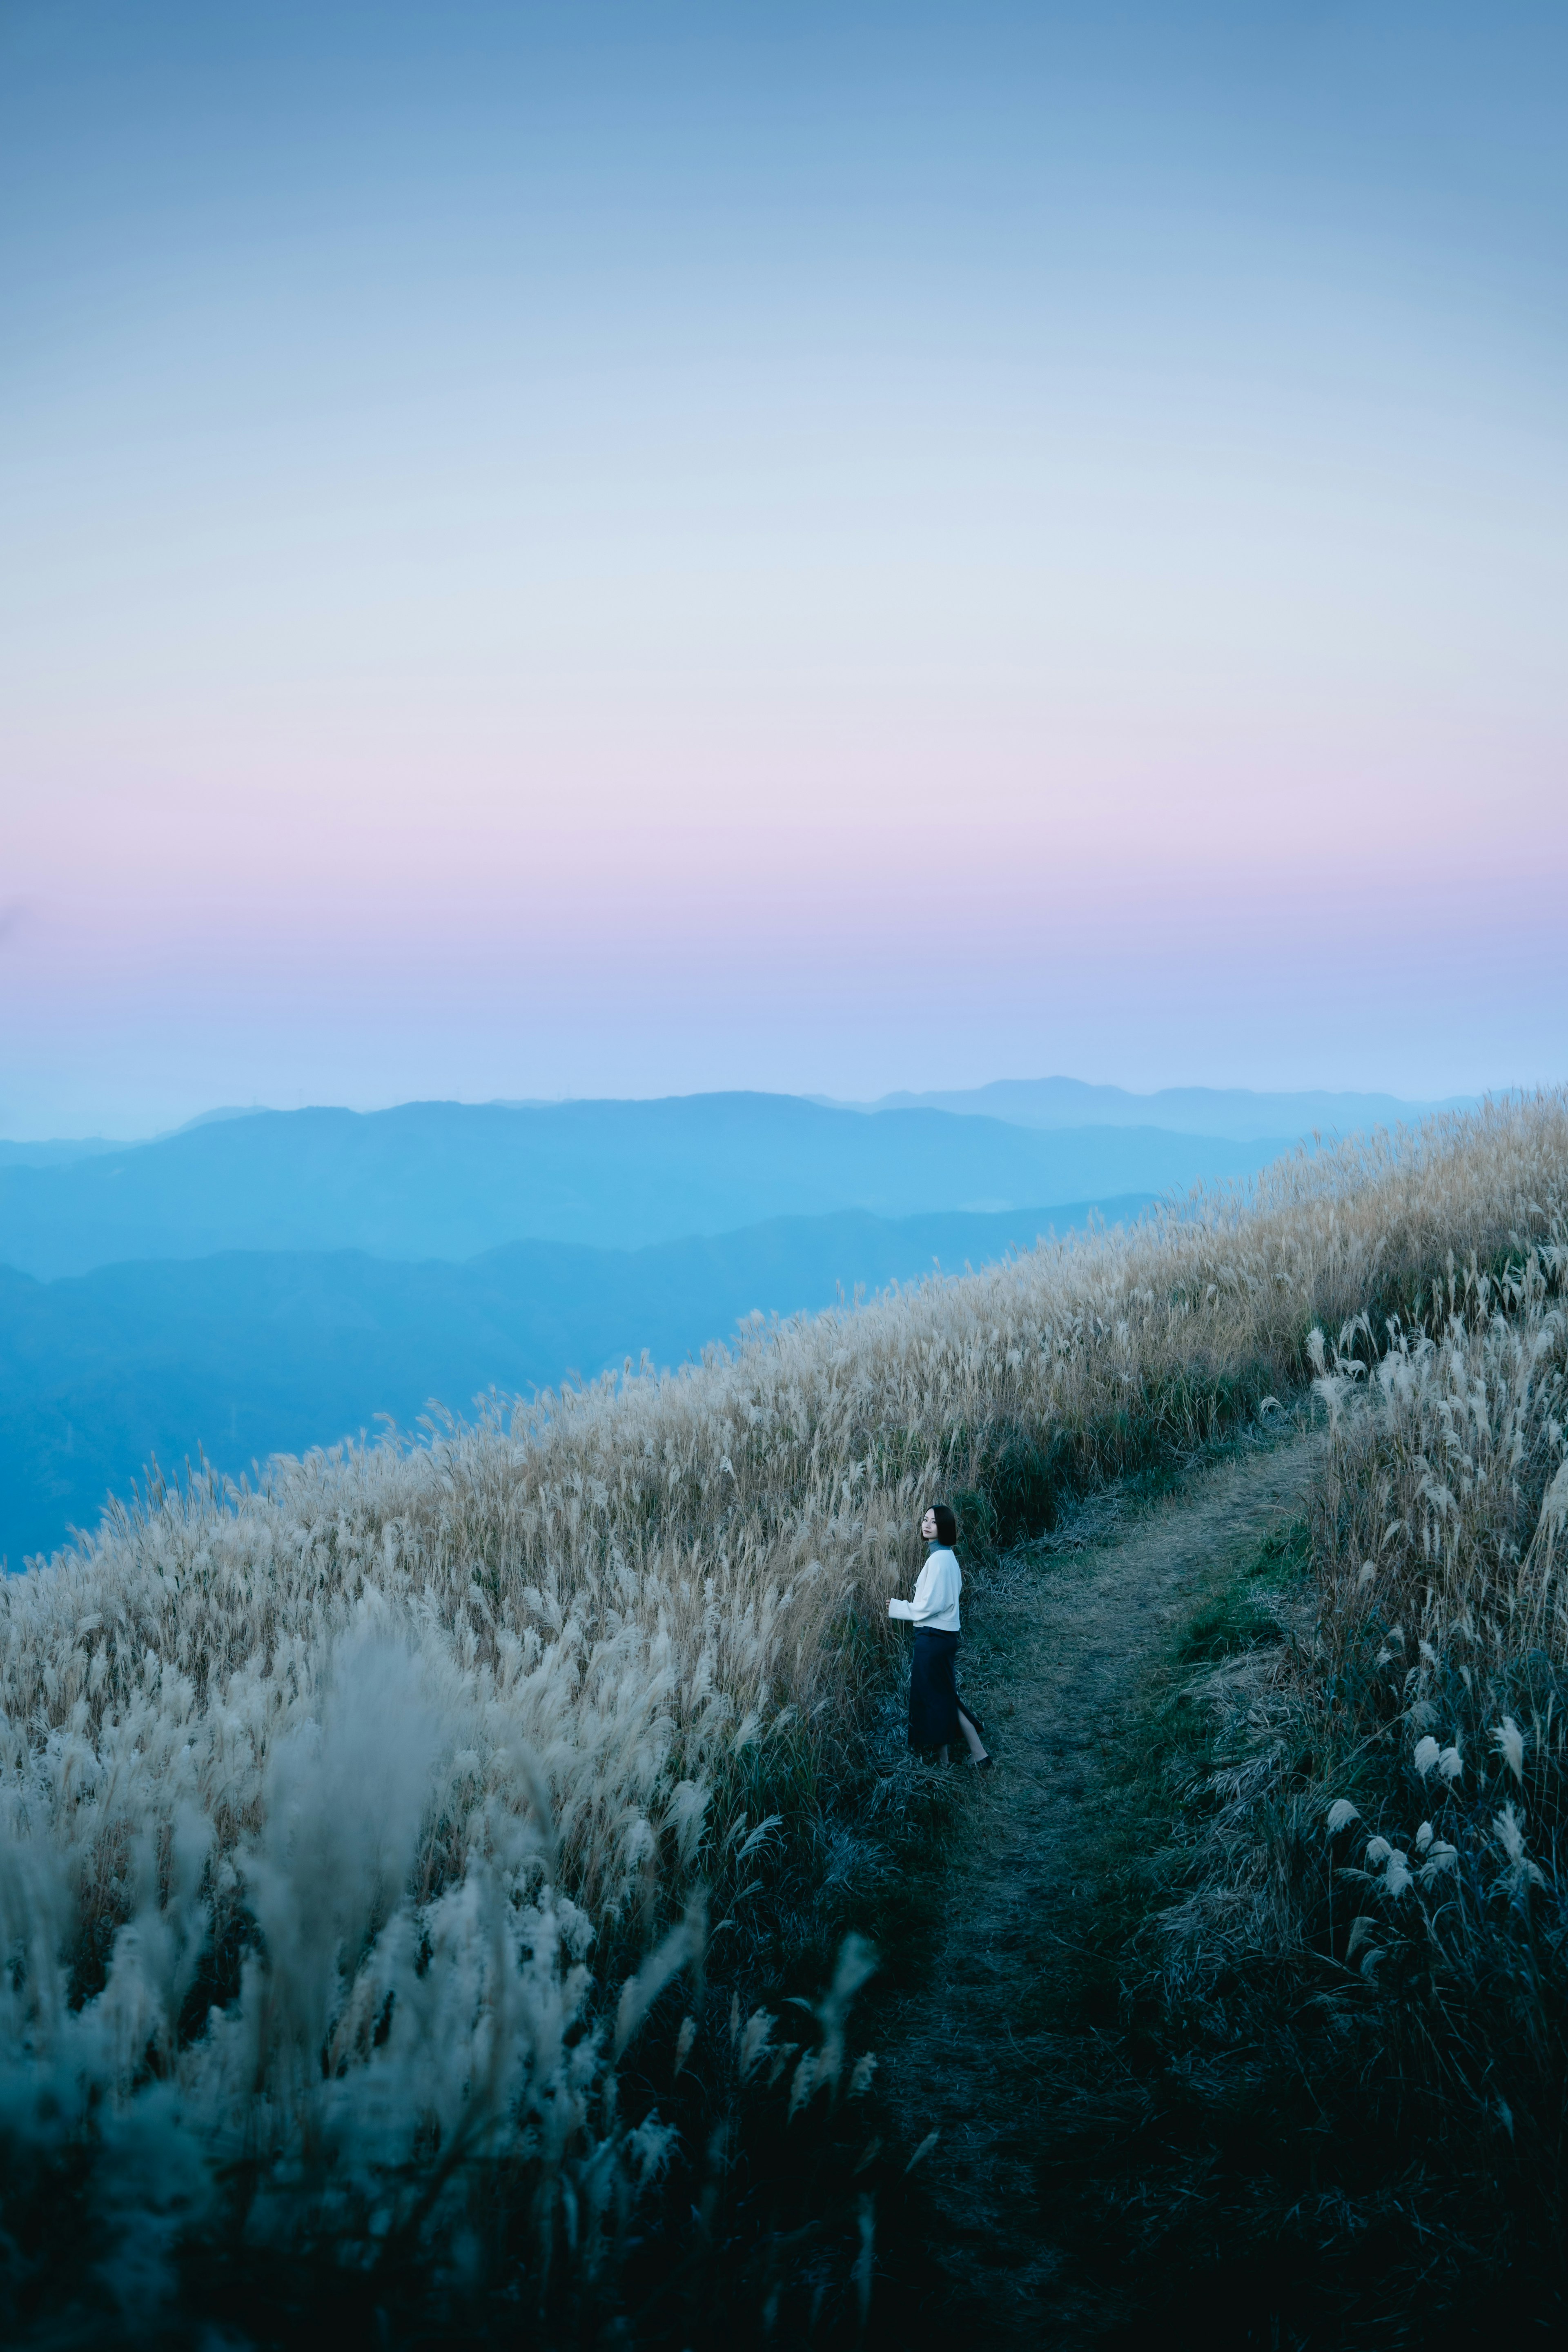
x=635 y=547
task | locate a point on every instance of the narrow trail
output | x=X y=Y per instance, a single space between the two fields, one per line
x=1066 y=1644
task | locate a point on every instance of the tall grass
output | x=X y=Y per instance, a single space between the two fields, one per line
x=355 y=1824
x=1376 y=1929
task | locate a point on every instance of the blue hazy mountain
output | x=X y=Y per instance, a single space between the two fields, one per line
x=450 y=1180
x=1233 y=1112
x=248 y=1354
x=57 y=1154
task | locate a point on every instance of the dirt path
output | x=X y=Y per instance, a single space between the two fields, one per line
x=1064 y=1645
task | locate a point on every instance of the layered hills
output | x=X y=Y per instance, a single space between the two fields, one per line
x=248 y=1353
x=267 y=1281
x=1233 y=1111
x=451 y=1180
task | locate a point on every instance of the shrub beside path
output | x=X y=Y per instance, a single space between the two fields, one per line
x=1070 y=1646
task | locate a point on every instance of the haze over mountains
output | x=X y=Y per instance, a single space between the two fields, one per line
x=250 y=1353
x=1233 y=1111
x=449 y=1180
x=265 y=1281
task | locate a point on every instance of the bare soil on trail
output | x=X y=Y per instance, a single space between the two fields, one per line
x=1070 y=1644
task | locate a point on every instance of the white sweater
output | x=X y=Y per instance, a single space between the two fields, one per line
x=935 y=1605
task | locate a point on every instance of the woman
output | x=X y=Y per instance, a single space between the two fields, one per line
x=936 y=1712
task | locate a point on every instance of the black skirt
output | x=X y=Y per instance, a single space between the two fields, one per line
x=934 y=1703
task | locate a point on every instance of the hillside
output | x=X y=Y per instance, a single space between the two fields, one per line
x=400 y=1849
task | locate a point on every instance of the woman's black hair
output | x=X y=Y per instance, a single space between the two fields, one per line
x=946 y=1525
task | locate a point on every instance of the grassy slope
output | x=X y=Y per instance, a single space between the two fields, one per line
x=788 y=1481
x=1377 y=2013
x=1260 y=2078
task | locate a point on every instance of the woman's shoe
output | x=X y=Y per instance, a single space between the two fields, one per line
x=984 y=1763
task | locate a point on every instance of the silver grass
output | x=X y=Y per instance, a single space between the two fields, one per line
x=1396 y=1875
x=1510 y=1741
x=1522 y=1872
x=440 y=1737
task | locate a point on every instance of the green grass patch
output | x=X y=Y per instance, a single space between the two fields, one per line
x=1246 y=1612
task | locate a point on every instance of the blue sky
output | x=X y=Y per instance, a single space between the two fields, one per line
x=636 y=548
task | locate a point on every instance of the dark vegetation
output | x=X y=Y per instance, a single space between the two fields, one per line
x=1316 y=2086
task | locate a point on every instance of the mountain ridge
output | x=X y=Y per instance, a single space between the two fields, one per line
x=1238 y=1113
x=450 y=1180
x=244 y=1354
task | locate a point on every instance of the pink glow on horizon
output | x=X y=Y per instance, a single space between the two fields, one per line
x=782 y=582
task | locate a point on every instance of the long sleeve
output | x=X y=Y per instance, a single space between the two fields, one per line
x=911 y=1609
x=935 y=1604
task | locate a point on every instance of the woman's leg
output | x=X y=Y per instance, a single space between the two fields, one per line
x=971 y=1739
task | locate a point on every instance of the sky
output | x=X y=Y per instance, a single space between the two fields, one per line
x=636 y=548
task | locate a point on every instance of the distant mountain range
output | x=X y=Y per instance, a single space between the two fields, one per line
x=265 y=1281
x=450 y=1180
x=1234 y=1111
x=248 y=1354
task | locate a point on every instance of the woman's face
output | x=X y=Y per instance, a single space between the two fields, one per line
x=928 y=1526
